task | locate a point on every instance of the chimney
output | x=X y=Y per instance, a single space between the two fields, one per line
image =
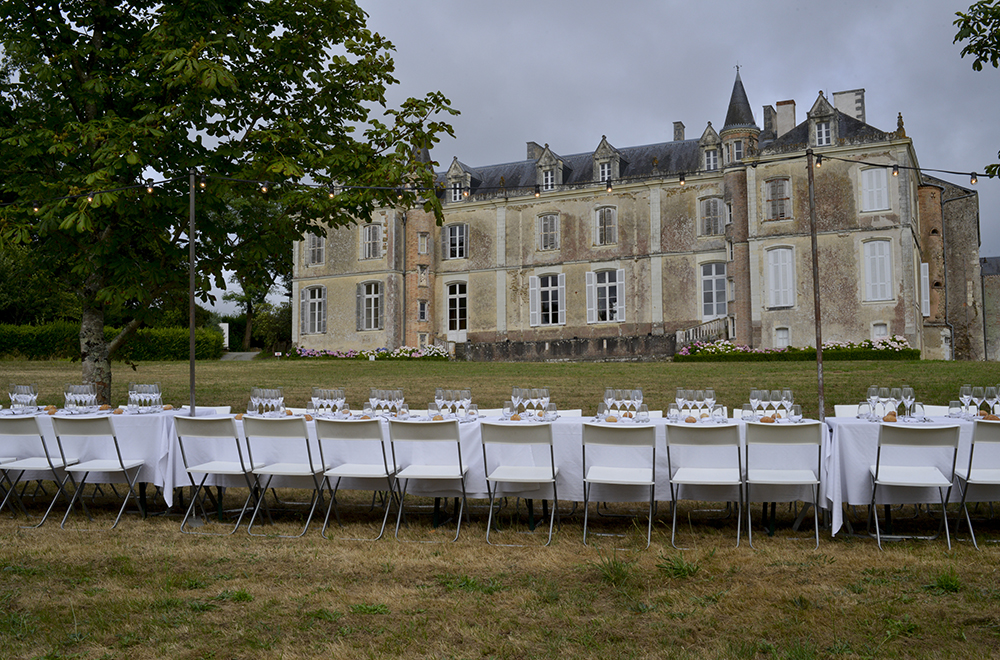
x=786 y=117
x=851 y=103
x=535 y=151
x=678 y=131
x=770 y=121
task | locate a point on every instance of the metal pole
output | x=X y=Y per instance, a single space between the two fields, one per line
x=815 y=274
x=191 y=304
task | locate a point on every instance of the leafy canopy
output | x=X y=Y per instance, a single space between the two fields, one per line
x=980 y=28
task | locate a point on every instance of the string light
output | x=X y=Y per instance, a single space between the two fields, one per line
x=681 y=179
x=149 y=186
x=973 y=179
x=265 y=186
x=819 y=160
x=609 y=187
x=538 y=190
x=35 y=207
x=465 y=192
x=895 y=170
x=203 y=182
x=332 y=192
x=90 y=197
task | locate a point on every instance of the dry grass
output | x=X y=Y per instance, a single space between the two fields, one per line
x=147 y=591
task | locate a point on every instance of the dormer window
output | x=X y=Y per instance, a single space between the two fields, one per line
x=823 y=134
x=605 y=172
x=456 y=192
x=548 y=180
x=711 y=160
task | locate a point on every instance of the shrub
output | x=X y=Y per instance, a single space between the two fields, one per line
x=401 y=353
x=890 y=348
x=61 y=340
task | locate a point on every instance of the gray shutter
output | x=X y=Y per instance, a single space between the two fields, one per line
x=359 y=308
x=381 y=305
x=321 y=321
x=620 y=284
x=303 y=311
x=591 y=297
x=444 y=243
x=534 y=311
x=562 y=298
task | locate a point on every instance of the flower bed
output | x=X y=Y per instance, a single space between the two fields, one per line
x=890 y=348
x=401 y=353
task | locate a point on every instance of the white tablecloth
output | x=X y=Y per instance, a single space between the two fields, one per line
x=852 y=451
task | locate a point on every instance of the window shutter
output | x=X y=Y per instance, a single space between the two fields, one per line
x=381 y=305
x=620 y=290
x=556 y=229
x=562 y=298
x=444 y=242
x=781 y=277
x=533 y=302
x=304 y=312
x=925 y=290
x=591 y=297
x=321 y=311
x=881 y=194
x=359 y=308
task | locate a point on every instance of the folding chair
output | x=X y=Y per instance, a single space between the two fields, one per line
x=781 y=472
x=638 y=436
x=356 y=435
x=525 y=436
x=100 y=460
x=205 y=444
x=715 y=441
x=914 y=446
x=428 y=434
x=986 y=471
x=287 y=432
x=15 y=434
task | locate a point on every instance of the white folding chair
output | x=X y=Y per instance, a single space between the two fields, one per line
x=94 y=457
x=21 y=430
x=525 y=436
x=638 y=435
x=904 y=460
x=359 y=434
x=845 y=410
x=206 y=444
x=427 y=434
x=984 y=472
x=768 y=471
x=288 y=432
x=713 y=469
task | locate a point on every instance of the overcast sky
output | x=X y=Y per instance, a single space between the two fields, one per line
x=566 y=72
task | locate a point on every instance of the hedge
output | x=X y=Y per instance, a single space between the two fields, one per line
x=804 y=355
x=62 y=340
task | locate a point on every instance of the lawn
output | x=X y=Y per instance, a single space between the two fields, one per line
x=147 y=591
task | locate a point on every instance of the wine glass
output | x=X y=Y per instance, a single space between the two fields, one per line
x=627 y=399
x=699 y=400
x=991 y=397
x=787 y=400
x=908 y=398
x=978 y=394
x=872 y=400
x=373 y=398
x=710 y=398
x=515 y=398
x=775 y=400
x=883 y=399
x=765 y=400
x=637 y=398
x=754 y=401
x=895 y=396
x=536 y=397
x=680 y=398
x=439 y=397
x=965 y=396
x=543 y=393
x=465 y=395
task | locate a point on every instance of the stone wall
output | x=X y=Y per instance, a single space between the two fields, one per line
x=639 y=349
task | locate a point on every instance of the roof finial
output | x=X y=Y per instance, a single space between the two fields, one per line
x=737 y=67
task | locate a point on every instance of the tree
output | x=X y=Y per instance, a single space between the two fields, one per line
x=980 y=27
x=99 y=96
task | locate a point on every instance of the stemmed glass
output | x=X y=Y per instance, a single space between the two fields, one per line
x=872 y=400
x=895 y=396
x=680 y=398
x=535 y=397
x=544 y=397
x=516 y=398
x=710 y=398
x=626 y=399
x=439 y=397
x=373 y=398
x=977 y=397
x=637 y=398
x=609 y=398
x=883 y=399
x=991 y=397
x=754 y=401
x=775 y=400
x=908 y=398
x=466 y=397
x=765 y=401
x=699 y=400
x=787 y=400
x=965 y=396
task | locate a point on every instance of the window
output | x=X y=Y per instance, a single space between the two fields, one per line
x=548 y=232
x=370 y=309
x=713 y=291
x=456 y=192
x=711 y=217
x=314 y=249
x=778 y=206
x=878 y=271
x=605 y=296
x=455 y=240
x=880 y=331
x=738 y=150
x=313 y=314
x=371 y=241
x=422 y=275
x=606 y=226
x=729 y=214
x=925 y=289
x=605 y=171
x=711 y=159
x=822 y=134
x=781 y=277
x=874 y=189
x=458 y=318
x=547 y=300
x=423 y=243
x=421 y=310
x=548 y=180
x=421 y=339
x=781 y=336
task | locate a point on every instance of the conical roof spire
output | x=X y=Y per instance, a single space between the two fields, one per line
x=739 y=114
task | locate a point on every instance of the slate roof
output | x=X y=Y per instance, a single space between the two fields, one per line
x=849 y=131
x=740 y=114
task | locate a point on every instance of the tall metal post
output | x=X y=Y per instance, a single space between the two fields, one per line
x=815 y=277
x=191 y=303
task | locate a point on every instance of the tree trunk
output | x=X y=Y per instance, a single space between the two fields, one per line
x=249 y=328
x=94 y=351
